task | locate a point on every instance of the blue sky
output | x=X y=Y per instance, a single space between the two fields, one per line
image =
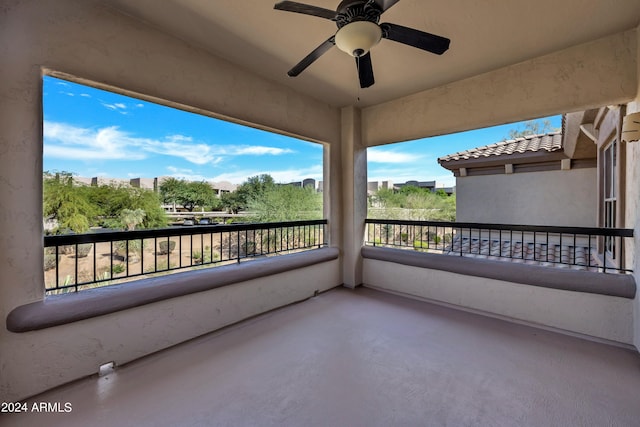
x=91 y=132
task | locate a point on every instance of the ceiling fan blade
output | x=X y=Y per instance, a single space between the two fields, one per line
x=385 y=4
x=309 y=59
x=416 y=38
x=365 y=70
x=292 y=6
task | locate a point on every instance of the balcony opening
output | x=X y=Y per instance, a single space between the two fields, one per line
x=543 y=192
x=134 y=189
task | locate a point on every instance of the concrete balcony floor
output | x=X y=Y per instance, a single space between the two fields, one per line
x=362 y=358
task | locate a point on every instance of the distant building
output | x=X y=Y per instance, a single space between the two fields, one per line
x=79 y=180
x=101 y=180
x=429 y=185
x=373 y=186
x=309 y=182
x=146 y=183
x=153 y=184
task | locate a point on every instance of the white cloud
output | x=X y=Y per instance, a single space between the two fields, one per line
x=139 y=105
x=186 y=174
x=259 y=150
x=86 y=95
x=199 y=154
x=109 y=106
x=177 y=138
x=70 y=142
x=118 y=106
x=110 y=143
x=380 y=155
x=174 y=169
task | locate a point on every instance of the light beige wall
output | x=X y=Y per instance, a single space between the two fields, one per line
x=632 y=220
x=562 y=198
x=633 y=204
x=599 y=73
x=598 y=316
x=36 y=361
x=354 y=197
x=85 y=39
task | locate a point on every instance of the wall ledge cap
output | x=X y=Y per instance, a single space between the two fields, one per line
x=62 y=309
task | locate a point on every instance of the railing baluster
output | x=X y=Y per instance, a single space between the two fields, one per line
x=76 y=258
x=57 y=267
x=379 y=233
x=531 y=246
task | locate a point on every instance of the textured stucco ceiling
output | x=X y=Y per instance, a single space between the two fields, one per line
x=485 y=35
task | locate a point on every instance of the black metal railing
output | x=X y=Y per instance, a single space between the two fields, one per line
x=580 y=248
x=80 y=261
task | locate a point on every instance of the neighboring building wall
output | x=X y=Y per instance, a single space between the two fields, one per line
x=632 y=210
x=534 y=198
x=146 y=183
x=309 y=182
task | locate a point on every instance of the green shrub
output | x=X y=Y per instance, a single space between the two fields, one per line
x=199 y=257
x=50 y=261
x=166 y=247
x=249 y=248
x=420 y=245
x=118 y=268
x=135 y=249
x=67 y=249
x=83 y=250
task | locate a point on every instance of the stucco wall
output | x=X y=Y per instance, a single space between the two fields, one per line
x=590 y=75
x=598 y=316
x=633 y=203
x=632 y=220
x=36 y=361
x=85 y=39
x=562 y=198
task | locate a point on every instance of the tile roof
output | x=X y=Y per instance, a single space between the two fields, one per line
x=549 y=142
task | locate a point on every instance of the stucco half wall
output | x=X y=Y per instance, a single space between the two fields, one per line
x=54 y=356
x=599 y=316
x=559 y=198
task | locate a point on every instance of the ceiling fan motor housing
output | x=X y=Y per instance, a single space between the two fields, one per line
x=357 y=10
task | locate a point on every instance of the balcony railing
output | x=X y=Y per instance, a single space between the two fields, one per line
x=81 y=261
x=580 y=248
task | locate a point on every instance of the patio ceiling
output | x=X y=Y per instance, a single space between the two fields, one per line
x=484 y=36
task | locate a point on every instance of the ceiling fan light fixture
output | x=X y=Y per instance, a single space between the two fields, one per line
x=356 y=38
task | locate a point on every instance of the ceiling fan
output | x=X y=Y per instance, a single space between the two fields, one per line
x=358 y=31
